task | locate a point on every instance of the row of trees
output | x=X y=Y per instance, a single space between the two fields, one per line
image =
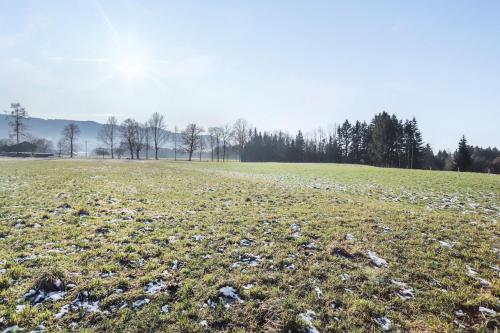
x=135 y=137
x=385 y=141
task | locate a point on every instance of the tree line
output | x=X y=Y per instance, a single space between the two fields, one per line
x=385 y=141
x=136 y=140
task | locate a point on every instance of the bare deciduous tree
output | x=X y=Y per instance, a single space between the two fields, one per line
x=70 y=134
x=61 y=147
x=202 y=146
x=158 y=129
x=191 y=138
x=107 y=134
x=40 y=145
x=120 y=150
x=140 y=138
x=17 y=123
x=176 y=131
x=147 y=139
x=128 y=131
x=212 y=134
x=241 y=135
x=226 y=136
x=216 y=137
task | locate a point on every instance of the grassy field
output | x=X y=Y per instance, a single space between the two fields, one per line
x=195 y=247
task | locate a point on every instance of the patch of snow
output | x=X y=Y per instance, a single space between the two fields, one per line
x=165 y=308
x=247 y=259
x=487 y=311
x=405 y=292
x=310 y=246
x=37 y=296
x=140 y=303
x=107 y=274
x=198 y=237
x=14 y=328
x=230 y=295
x=483 y=282
x=211 y=303
x=82 y=302
x=154 y=286
x=384 y=323
x=247 y=242
x=319 y=293
x=445 y=244
x=62 y=311
x=349 y=237
x=376 y=260
x=470 y=271
x=39 y=329
x=308 y=318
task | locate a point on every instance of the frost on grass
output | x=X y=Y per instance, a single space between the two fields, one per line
x=12 y=329
x=472 y=273
x=154 y=286
x=405 y=292
x=308 y=318
x=384 y=323
x=376 y=260
x=445 y=244
x=247 y=242
x=295 y=230
x=310 y=246
x=319 y=293
x=140 y=303
x=487 y=311
x=227 y=296
x=84 y=302
x=246 y=259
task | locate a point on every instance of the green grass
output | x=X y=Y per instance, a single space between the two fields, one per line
x=144 y=218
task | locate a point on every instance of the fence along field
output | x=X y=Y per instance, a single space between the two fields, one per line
x=165 y=246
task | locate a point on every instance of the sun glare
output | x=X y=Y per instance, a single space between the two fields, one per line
x=130 y=68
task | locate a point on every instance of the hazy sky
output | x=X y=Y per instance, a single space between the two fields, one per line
x=278 y=64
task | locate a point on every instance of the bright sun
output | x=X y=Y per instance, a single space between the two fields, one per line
x=130 y=68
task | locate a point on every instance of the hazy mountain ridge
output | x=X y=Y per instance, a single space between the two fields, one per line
x=51 y=129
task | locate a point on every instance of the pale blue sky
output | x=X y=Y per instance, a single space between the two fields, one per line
x=279 y=64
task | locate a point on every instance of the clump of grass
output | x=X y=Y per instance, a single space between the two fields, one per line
x=82 y=212
x=51 y=281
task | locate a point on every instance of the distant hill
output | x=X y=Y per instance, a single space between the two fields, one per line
x=51 y=129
